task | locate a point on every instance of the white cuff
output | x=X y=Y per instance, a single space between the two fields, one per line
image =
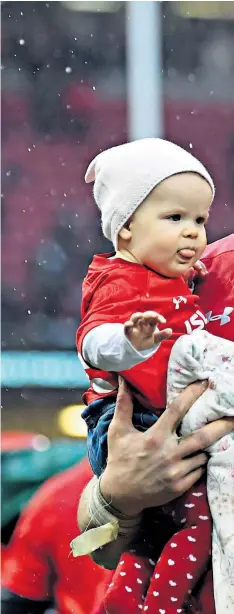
x=106 y=347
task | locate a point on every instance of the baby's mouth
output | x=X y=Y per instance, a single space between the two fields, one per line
x=187 y=253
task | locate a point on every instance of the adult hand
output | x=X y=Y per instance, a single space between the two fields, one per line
x=151 y=468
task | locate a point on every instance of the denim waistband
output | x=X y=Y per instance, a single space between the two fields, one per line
x=91 y=414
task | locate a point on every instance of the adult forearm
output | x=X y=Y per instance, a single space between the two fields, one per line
x=108 y=556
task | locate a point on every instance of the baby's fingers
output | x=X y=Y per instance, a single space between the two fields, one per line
x=128 y=326
x=134 y=319
x=162 y=334
x=200 y=268
x=152 y=317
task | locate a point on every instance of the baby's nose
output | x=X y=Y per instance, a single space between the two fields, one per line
x=190 y=231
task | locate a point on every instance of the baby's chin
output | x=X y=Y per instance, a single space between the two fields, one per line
x=173 y=272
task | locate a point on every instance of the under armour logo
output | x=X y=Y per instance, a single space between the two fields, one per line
x=223 y=317
x=177 y=300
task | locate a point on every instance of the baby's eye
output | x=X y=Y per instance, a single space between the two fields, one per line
x=175 y=218
x=200 y=220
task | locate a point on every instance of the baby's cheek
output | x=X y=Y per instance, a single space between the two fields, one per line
x=202 y=244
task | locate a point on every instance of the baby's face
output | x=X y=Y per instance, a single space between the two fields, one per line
x=168 y=229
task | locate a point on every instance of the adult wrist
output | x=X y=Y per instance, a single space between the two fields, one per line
x=122 y=503
x=106 y=524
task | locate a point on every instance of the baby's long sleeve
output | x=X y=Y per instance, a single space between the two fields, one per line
x=106 y=347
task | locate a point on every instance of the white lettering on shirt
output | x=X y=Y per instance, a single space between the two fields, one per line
x=197 y=320
x=179 y=299
x=223 y=317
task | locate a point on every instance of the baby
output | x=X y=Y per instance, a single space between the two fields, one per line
x=154 y=199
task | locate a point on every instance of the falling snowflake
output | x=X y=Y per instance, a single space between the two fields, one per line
x=190 y=145
x=68 y=69
x=21 y=41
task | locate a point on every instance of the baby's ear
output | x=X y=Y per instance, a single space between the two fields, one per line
x=125 y=232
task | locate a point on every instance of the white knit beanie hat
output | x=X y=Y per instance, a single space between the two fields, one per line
x=125 y=175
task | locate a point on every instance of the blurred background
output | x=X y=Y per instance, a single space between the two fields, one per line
x=78 y=77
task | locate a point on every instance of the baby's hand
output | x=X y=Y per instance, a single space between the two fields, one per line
x=142 y=331
x=197 y=270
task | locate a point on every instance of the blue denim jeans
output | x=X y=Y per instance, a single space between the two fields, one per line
x=98 y=416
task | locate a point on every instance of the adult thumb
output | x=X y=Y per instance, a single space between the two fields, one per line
x=124 y=406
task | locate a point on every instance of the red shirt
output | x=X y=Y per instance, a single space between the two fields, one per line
x=216 y=291
x=112 y=291
x=38 y=563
